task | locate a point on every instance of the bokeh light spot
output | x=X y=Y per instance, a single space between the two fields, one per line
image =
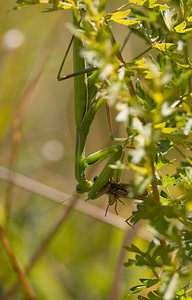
x=53 y=150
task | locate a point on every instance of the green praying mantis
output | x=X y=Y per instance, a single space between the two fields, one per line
x=87 y=102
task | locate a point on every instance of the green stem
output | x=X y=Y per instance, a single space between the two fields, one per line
x=156 y=194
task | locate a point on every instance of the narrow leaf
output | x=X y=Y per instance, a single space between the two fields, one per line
x=168 y=130
x=180 y=27
x=120 y=14
x=126 y=22
x=165 y=46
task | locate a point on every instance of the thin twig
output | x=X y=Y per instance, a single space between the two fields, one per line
x=115 y=286
x=58 y=196
x=38 y=253
x=122 y=6
x=125 y=41
x=142 y=53
x=21 y=275
x=64 y=77
x=120 y=57
x=43 y=246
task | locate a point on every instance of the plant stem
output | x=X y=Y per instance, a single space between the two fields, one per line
x=43 y=246
x=123 y=6
x=126 y=40
x=21 y=275
x=182 y=154
x=115 y=287
x=156 y=195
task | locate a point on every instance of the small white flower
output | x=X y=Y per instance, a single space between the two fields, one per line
x=121 y=73
x=188 y=127
x=137 y=125
x=179 y=45
x=106 y=71
x=140 y=140
x=137 y=155
x=166 y=110
x=165 y=78
x=123 y=114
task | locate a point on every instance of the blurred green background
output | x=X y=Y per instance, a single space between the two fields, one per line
x=37 y=135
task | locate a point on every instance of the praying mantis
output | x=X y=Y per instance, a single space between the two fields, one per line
x=87 y=102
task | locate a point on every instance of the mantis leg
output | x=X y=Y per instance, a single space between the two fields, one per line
x=115 y=153
x=81 y=137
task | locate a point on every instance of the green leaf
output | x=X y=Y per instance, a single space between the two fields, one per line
x=169 y=180
x=161 y=161
x=165 y=46
x=133 y=248
x=126 y=22
x=186 y=180
x=118 y=17
x=137 y=288
x=163 y=196
x=168 y=130
x=180 y=27
x=160 y=125
x=150 y=4
x=138 y=2
x=65 y=5
x=165 y=146
x=130 y=262
x=56 y=5
x=160 y=7
x=120 y=14
x=182 y=291
x=149 y=282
